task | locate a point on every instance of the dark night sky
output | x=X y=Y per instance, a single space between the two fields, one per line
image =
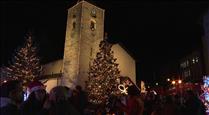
x=155 y=33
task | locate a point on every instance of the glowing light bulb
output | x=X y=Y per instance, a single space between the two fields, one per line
x=173 y=82
x=179 y=81
x=168 y=79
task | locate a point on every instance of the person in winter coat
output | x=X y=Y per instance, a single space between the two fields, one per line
x=193 y=105
x=33 y=105
x=11 y=96
x=58 y=103
x=135 y=105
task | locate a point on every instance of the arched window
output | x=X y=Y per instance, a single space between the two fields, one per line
x=74 y=24
x=93 y=25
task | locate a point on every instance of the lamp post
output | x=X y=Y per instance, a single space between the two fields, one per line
x=180 y=87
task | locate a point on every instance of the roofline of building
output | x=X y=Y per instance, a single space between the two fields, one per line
x=83 y=1
x=125 y=48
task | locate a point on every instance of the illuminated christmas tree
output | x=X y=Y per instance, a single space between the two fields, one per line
x=205 y=95
x=103 y=76
x=25 y=64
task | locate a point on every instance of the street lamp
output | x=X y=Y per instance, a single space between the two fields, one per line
x=168 y=79
x=179 y=81
x=173 y=82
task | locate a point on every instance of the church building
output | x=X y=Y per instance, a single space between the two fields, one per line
x=84 y=31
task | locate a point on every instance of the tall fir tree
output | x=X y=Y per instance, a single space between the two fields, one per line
x=103 y=76
x=25 y=65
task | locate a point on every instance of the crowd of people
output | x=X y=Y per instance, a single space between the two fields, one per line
x=187 y=103
x=62 y=100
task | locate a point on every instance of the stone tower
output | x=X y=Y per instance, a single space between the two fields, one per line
x=85 y=29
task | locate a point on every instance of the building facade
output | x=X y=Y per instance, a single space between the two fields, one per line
x=191 y=67
x=84 y=31
x=206 y=42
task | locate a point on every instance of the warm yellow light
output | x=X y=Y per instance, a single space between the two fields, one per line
x=179 y=81
x=168 y=79
x=173 y=82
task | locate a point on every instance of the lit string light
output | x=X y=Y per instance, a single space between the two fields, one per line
x=25 y=64
x=103 y=76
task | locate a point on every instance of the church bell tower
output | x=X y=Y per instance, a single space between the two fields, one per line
x=84 y=31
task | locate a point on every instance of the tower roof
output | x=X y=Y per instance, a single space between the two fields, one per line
x=85 y=2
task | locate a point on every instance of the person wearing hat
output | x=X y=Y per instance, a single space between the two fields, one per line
x=10 y=97
x=135 y=105
x=37 y=96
